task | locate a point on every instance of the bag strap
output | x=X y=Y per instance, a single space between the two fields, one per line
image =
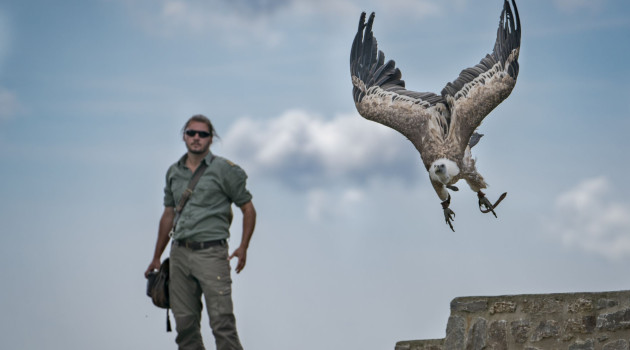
x=188 y=192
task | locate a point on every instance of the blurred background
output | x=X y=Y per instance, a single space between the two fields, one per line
x=351 y=250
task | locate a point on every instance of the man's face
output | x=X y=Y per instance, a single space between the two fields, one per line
x=196 y=143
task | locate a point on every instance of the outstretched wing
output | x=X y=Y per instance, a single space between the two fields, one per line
x=380 y=95
x=479 y=89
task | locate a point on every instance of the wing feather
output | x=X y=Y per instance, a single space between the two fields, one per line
x=379 y=94
x=479 y=89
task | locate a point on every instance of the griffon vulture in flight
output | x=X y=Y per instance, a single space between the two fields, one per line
x=441 y=127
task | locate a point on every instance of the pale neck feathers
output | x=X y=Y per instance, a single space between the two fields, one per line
x=449 y=170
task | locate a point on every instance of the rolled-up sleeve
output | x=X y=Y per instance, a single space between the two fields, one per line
x=236 y=186
x=169 y=200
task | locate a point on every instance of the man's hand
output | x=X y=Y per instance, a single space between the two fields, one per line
x=249 y=221
x=155 y=265
x=241 y=254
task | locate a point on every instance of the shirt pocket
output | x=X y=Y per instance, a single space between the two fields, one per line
x=206 y=193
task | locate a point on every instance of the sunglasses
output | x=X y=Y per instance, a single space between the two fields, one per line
x=192 y=133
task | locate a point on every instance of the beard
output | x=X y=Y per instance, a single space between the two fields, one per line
x=196 y=148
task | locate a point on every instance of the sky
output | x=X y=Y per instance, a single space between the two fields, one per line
x=350 y=250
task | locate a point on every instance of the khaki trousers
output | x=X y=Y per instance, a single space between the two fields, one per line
x=207 y=272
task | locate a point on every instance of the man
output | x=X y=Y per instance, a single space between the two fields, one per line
x=199 y=262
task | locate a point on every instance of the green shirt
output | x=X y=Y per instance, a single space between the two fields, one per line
x=208 y=213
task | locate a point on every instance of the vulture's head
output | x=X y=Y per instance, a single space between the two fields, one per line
x=443 y=170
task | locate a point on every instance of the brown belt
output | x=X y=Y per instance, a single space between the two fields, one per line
x=198 y=245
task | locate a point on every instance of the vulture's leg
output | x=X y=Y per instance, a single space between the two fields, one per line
x=489 y=207
x=449 y=215
x=445 y=197
x=484 y=202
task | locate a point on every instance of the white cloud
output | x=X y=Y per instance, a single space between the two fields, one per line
x=414 y=8
x=304 y=150
x=323 y=204
x=323 y=7
x=233 y=23
x=244 y=22
x=585 y=217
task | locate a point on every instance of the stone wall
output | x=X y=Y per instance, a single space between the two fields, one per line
x=572 y=321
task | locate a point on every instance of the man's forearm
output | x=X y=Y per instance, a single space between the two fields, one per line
x=166 y=224
x=249 y=223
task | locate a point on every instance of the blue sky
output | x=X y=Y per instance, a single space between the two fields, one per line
x=351 y=249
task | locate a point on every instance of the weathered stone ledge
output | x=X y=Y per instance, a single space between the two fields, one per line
x=571 y=321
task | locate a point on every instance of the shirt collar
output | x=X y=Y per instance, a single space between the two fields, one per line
x=207 y=159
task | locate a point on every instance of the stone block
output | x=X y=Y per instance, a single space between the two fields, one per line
x=620 y=344
x=455 y=333
x=583 y=345
x=431 y=344
x=542 y=307
x=581 y=305
x=477 y=335
x=497 y=335
x=520 y=330
x=403 y=345
x=604 y=303
x=503 y=307
x=614 y=321
x=602 y=338
x=469 y=306
x=583 y=325
x=546 y=329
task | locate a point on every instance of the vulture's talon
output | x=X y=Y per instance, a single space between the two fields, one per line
x=449 y=215
x=484 y=202
x=489 y=207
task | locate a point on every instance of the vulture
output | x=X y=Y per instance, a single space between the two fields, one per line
x=441 y=127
